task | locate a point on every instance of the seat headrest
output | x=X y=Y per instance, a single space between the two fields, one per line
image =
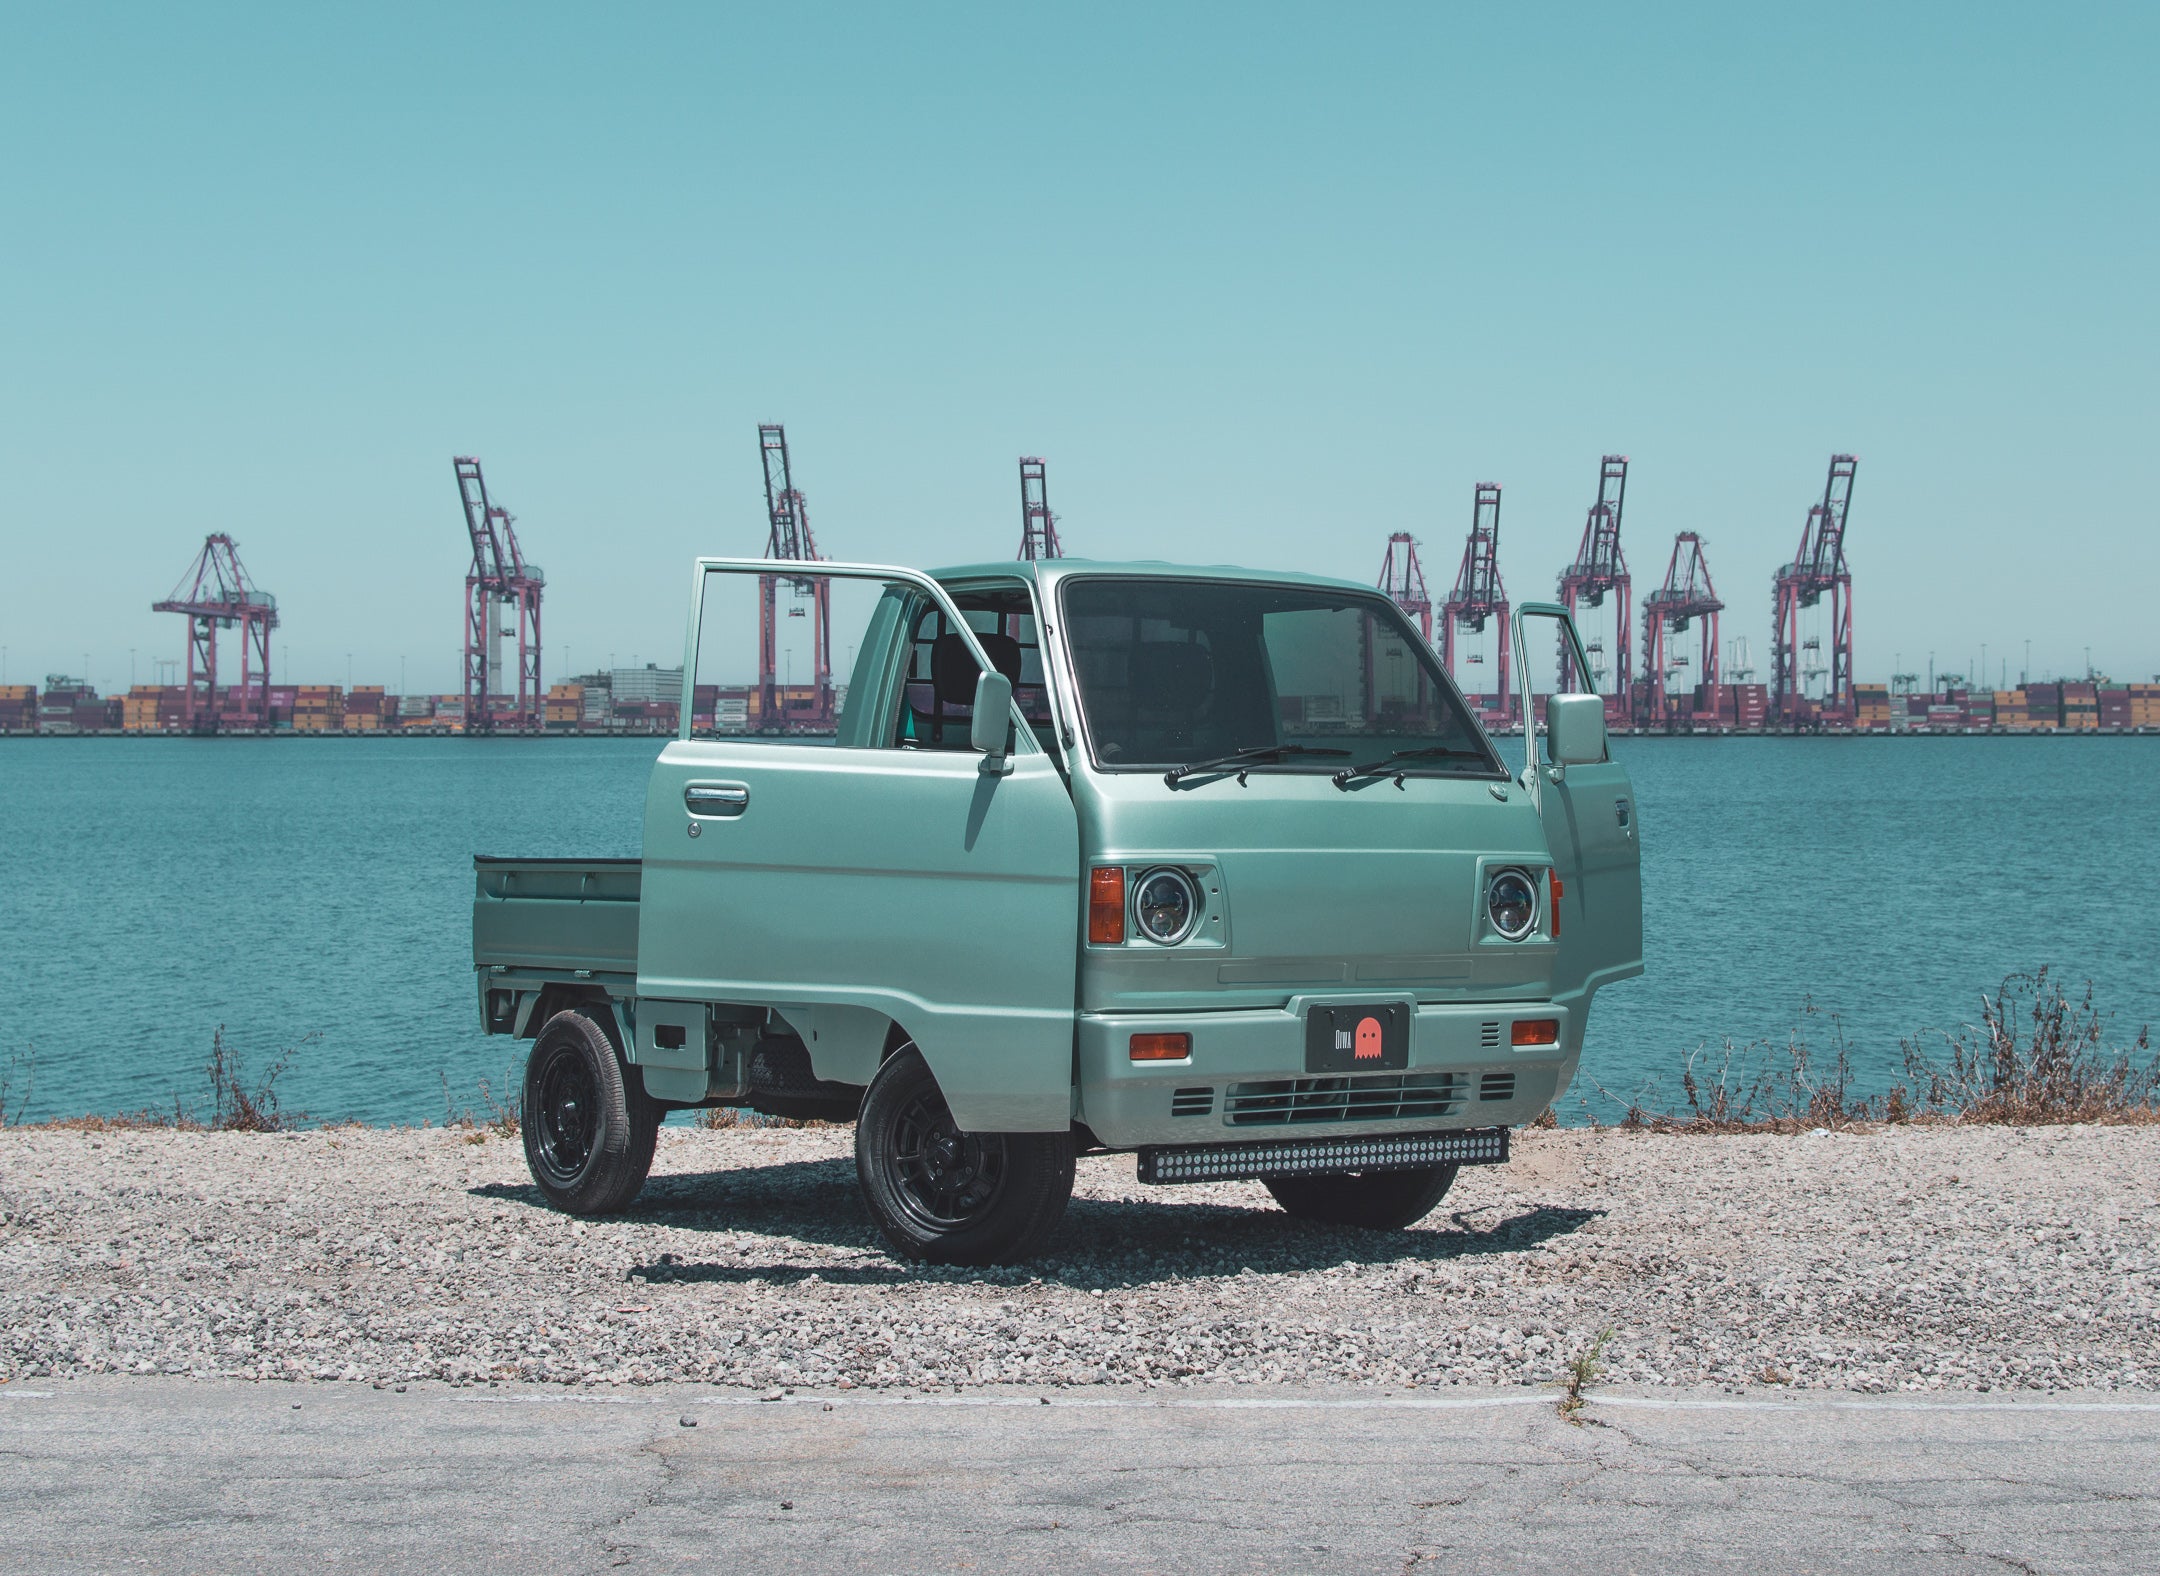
x=952 y=665
x=1175 y=676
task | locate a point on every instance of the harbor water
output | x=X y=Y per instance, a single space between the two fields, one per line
x=316 y=894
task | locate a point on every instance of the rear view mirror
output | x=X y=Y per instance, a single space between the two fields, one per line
x=990 y=728
x=1575 y=729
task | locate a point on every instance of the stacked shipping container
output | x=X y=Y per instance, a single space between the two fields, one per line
x=319 y=708
x=649 y=699
x=565 y=709
x=369 y=710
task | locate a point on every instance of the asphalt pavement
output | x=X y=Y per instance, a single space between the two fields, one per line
x=169 y=1474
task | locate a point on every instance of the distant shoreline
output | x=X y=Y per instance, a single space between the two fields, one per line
x=1502 y=733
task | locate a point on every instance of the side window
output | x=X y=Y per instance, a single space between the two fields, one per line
x=938 y=694
x=809 y=659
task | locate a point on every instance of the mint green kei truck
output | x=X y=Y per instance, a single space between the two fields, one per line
x=1209 y=865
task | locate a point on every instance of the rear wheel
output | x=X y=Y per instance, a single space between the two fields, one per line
x=949 y=1197
x=1376 y=1200
x=589 y=1126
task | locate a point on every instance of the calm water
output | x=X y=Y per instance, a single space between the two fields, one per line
x=151 y=890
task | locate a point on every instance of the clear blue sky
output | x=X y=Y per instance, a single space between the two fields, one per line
x=1263 y=284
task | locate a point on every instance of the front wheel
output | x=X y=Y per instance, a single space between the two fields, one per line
x=588 y=1124
x=949 y=1197
x=1375 y=1200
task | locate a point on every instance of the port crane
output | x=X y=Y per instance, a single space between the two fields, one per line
x=1402 y=577
x=1038 y=526
x=1817 y=570
x=789 y=538
x=1687 y=597
x=1480 y=596
x=216 y=594
x=1599 y=569
x=500 y=584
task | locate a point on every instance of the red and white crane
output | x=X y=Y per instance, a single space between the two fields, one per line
x=1686 y=597
x=500 y=585
x=1600 y=568
x=1038 y=526
x=1480 y=597
x=1817 y=570
x=216 y=594
x=1402 y=577
x=790 y=539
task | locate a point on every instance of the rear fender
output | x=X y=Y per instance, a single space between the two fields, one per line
x=846 y=1044
x=593 y=1002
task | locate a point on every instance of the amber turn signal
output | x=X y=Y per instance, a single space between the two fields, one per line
x=1106 y=905
x=1559 y=888
x=1535 y=1031
x=1161 y=1047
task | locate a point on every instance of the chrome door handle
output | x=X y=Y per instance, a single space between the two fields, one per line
x=716 y=799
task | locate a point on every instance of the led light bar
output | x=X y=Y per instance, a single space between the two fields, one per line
x=1477 y=1146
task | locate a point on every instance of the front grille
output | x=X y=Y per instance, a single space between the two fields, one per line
x=1192 y=1102
x=1478 y=1146
x=1272 y=1102
x=1489 y=1036
x=1496 y=1086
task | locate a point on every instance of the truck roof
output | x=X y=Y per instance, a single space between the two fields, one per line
x=1047 y=571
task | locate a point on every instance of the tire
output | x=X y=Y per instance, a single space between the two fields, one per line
x=589 y=1126
x=1375 y=1200
x=948 y=1197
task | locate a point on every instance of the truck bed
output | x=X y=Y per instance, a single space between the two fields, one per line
x=556 y=917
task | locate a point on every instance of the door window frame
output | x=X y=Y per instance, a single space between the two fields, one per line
x=1537 y=744
x=1024 y=733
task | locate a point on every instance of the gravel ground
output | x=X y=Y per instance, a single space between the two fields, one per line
x=1903 y=1259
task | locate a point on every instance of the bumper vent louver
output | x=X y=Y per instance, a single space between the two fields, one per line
x=1489 y=1036
x=1496 y=1086
x=1283 y=1101
x=1192 y=1102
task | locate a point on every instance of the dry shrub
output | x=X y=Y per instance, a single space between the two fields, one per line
x=718 y=1117
x=238 y=1104
x=503 y=1118
x=2036 y=1057
x=21 y=1065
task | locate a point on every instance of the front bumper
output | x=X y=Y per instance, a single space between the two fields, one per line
x=1245 y=1080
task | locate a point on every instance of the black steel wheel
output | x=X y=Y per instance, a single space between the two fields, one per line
x=589 y=1126
x=947 y=1196
x=1375 y=1200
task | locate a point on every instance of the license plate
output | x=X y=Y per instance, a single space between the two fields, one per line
x=1357 y=1039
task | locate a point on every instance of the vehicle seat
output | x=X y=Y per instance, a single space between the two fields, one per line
x=952 y=687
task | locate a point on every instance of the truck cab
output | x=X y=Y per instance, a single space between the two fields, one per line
x=1212 y=865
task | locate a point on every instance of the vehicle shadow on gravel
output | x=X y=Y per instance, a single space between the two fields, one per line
x=1104 y=1243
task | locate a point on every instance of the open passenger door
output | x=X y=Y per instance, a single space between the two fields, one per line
x=855 y=850
x=1584 y=799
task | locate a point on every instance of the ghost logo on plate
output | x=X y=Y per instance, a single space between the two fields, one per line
x=1368 y=1039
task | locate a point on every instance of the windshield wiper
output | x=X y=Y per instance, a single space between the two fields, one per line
x=1256 y=756
x=1430 y=752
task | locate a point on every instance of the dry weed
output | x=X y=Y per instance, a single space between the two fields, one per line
x=2036 y=1057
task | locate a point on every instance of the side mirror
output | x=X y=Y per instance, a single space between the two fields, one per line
x=1575 y=729
x=990 y=729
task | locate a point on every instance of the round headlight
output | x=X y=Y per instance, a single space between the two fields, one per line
x=1511 y=904
x=1166 y=906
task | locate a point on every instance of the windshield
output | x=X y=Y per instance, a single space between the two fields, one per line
x=1177 y=671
